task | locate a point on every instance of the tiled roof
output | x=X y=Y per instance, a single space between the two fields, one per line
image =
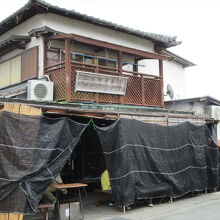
x=13 y=42
x=184 y=62
x=34 y=7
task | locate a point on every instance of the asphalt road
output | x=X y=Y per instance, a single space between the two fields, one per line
x=200 y=207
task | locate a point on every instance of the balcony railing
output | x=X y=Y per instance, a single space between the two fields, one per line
x=142 y=89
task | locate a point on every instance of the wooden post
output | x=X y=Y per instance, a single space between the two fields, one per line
x=83 y=162
x=120 y=62
x=135 y=67
x=45 y=54
x=142 y=90
x=161 y=80
x=96 y=94
x=124 y=209
x=46 y=214
x=120 y=72
x=67 y=70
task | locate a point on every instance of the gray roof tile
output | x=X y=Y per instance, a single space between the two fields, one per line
x=39 y=6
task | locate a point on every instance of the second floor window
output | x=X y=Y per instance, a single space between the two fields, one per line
x=19 y=68
x=53 y=57
x=107 y=62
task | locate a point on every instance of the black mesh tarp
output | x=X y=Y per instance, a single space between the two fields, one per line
x=33 y=151
x=144 y=160
x=148 y=160
x=219 y=169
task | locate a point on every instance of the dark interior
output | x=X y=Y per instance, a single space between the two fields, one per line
x=86 y=163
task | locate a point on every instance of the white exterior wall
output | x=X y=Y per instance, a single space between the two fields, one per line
x=68 y=25
x=11 y=54
x=36 y=21
x=197 y=107
x=23 y=28
x=150 y=67
x=174 y=74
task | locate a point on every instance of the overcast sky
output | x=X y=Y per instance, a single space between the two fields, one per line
x=194 y=22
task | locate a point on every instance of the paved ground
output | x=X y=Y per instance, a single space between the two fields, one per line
x=200 y=207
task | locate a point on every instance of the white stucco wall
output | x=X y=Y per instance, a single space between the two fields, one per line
x=197 y=107
x=150 y=67
x=174 y=74
x=68 y=25
x=11 y=54
x=36 y=21
x=23 y=28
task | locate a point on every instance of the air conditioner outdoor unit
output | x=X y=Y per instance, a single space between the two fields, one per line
x=40 y=90
x=213 y=112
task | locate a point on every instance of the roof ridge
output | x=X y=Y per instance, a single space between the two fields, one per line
x=14 y=19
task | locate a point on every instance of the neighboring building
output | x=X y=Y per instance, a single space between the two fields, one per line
x=34 y=41
x=175 y=75
x=205 y=106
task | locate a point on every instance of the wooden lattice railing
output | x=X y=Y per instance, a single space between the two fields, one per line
x=57 y=76
x=142 y=89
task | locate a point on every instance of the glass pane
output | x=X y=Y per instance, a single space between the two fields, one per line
x=111 y=64
x=88 y=60
x=62 y=55
x=76 y=57
x=102 y=62
x=106 y=62
x=53 y=57
x=128 y=67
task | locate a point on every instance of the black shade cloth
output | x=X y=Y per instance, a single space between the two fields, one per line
x=33 y=151
x=144 y=160
x=149 y=160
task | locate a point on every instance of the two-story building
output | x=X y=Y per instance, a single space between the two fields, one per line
x=97 y=69
x=41 y=39
x=71 y=64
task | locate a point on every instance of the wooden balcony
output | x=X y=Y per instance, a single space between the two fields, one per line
x=142 y=89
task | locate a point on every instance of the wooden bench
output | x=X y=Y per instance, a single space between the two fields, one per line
x=44 y=208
